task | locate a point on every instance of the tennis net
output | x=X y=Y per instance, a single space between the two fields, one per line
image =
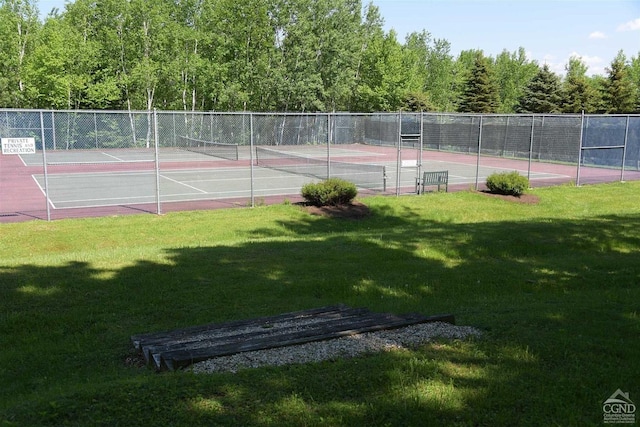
x=361 y=174
x=209 y=148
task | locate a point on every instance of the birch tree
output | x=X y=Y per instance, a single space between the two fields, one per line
x=19 y=26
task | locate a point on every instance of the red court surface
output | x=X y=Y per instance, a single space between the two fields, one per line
x=79 y=189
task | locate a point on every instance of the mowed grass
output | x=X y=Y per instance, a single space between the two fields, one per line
x=555 y=288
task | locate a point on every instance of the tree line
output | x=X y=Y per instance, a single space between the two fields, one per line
x=275 y=55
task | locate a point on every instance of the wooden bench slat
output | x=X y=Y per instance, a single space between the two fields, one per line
x=219 y=336
x=179 y=348
x=183 y=357
x=231 y=345
x=149 y=338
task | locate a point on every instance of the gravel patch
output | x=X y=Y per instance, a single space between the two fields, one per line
x=344 y=347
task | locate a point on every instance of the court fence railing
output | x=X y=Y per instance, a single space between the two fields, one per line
x=141 y=159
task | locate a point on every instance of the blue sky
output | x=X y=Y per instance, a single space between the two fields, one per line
x=550 y=31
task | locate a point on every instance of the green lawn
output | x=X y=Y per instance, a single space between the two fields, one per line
x=555 y=287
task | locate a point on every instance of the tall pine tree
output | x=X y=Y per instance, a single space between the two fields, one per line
x=542 y=94
x=620 y=93
x=480 y=93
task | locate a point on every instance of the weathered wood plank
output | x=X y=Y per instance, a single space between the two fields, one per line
x=178 y=358
x=179 y=348
x=217 y=338
x=234 y=331
x=161 y=336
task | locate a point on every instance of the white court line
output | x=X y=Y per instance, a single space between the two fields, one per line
x=183 y=183
x=44 y=193
x=495 y=167
x=97 y=162
x=92 y=174
x=141 y=199
x=244 y=178
x=151 y=198
x=112 y=156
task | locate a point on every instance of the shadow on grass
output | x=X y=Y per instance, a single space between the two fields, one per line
x=558 y=301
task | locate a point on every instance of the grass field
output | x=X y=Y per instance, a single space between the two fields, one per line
x=555 y=288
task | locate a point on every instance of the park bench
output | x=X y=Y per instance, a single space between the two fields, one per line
x=438 y=178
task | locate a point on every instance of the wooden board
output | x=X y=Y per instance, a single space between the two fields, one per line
x=176 y=349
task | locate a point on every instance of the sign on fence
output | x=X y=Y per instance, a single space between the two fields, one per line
x=18 y=145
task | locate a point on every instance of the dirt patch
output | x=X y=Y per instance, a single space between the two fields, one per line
x=527 y=199
x=357 y=210
x=353 y=210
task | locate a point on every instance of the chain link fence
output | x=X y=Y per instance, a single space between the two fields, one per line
x=85 y=163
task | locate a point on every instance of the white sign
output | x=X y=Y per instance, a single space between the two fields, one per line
x=18 y=145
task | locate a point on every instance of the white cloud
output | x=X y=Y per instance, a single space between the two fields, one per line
x=589 y=60
x=595 y=64
x=597 y=35
x=554 y=65
x=630 y=26
x=547 y=58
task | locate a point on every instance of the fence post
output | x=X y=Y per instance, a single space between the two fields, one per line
x=399 y=153
x=624 y=150
x=95 y=128
x=421 y=150
x=329 y=135
x=479 y=150
x=175 y=137
x=580 y=149
x=156 y=160
x=53 y=130
x=251 y=159
x=44 y=165
x=533 y=123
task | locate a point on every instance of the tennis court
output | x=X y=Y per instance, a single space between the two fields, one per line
x=73 y=184
x=86 y=163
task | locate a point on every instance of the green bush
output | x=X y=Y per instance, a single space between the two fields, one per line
x=331 y=192
x=509 y=183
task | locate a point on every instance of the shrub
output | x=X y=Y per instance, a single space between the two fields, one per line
x=331 y=192
x=509 y=183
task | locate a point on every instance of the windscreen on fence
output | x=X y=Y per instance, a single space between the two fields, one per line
x=148 y=161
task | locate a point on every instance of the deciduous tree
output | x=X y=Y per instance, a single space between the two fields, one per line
x=578 y=94
x=19 y=26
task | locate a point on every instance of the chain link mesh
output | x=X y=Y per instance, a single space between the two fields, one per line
x=133 y=158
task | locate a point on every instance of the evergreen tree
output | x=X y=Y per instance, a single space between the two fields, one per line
x=634 y=70
x=620 y=95
x=480 y=93
x=598 y=85
x=542 y=94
